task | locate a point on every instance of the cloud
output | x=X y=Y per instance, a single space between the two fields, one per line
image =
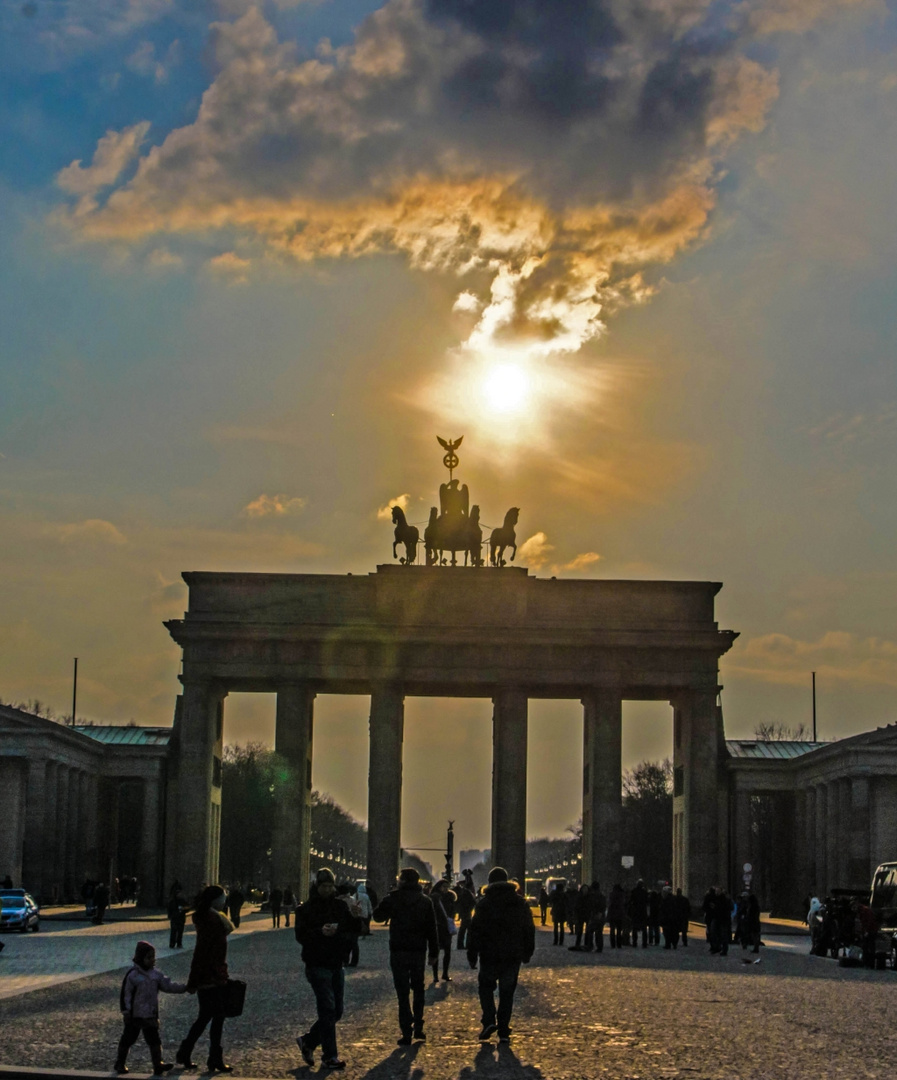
x=163 y=259
x=563 y=149
x=385 y=512
x=91 y=531
x=144 y=60
x=796 y=16
x=535 y=551
x=274 y=506
x=836 y=656
x=229 y=265
x=583 y=561
x=114 y=152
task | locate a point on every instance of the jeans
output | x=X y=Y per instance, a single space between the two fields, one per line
x=328 y=985
x=502 y=974
x=408 y=978
x=133 y=1027
x=558 y=930
x=211 y=1007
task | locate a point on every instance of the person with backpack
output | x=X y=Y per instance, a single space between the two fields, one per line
x=139 y=1003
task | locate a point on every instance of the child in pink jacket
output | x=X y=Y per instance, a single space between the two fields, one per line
x=140 y=1007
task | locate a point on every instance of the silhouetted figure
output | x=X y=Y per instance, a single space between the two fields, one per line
x=100 y=902
x=616 y=915
x=683 y=916
x=235 y=901
x=276 y=902
x=289 y=904
x=543 y=904
x=413 y=939
x=177 y=916
x=502 y=936
x=597 y=915
x=582 y=908
x=464 y=905
x=653 y=917
x=444 y=905
x=558 y=912
x=638 y=913
x=669 y=918
x=208 y=977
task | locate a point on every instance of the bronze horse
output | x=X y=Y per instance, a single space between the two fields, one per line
x=505 y=537
x=405 y=534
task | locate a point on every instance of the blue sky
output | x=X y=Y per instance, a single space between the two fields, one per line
x=257 y=294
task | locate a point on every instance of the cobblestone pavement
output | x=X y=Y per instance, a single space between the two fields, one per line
x=71 y=948
x=630 y=1014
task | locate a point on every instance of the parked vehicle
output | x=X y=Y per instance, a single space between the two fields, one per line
x=19 y=911
x=884 y=904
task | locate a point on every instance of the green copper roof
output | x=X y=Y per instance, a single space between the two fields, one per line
x=126 y=735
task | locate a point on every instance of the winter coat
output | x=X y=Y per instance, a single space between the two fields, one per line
x=364 y=902
x=209 y=965
x=276 y=899
x=597 y=906
x=140 y=992
x=444 y=906
x=669 y=916
x=411 y=918
x=583 y=905
x=465 y=901
x=318 y=949
x=638 y=905
x=558 y=905
x=683 y=912
x=502 y=928
x=616 y=906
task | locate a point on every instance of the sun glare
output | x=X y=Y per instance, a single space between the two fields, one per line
x=506 y=389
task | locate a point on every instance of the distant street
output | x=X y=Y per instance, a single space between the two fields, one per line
x=630 y=1014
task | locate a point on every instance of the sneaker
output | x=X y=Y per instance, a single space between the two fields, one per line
x=308 y=1055
x=333 y=1063
x=488 y=1031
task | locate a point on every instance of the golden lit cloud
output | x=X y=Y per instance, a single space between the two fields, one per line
x=836 y=657
x=274 y=506
x=385 y=512
x=582 y=562
x=535 y=552
x=92 y=531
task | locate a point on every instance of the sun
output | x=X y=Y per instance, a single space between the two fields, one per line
x=506 y=389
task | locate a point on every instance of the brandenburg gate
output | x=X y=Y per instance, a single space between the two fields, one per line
x=441 y=630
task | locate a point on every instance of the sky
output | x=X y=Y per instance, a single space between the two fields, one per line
x=640 y=254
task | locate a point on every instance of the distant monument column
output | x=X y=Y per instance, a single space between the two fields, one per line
x=385 y=785
x=509 y=740
x=196 y=831
x=292 y=825
x=602 y=786
x=699 y=755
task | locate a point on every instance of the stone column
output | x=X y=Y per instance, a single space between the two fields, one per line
x=809 y=843
x=13 y=785
x=33 y=849
x=62 y=828
x=700 y=757
x=860 y=866
x=822 y=870
x=833 y=836
x=82 y=860
x=292 y=827
x=91 y=839
x=73 y=837
x=509 y=739
x=194 y=833
x=602 y=786
x=149 y=876
x=744 y=839
x=385 y=785
x=48 y=837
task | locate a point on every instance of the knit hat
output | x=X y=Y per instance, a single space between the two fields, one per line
x=325 y=876
x=141 y=950
x=409 y=875
x=497 y=873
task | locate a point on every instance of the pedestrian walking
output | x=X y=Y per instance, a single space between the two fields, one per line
x=344 y=893
x=653 y=917
x=100 y=902
x=465 y=901
x=638 y=913
x=324 y=929
x=289 y=904
x=139 y=1003
x=543 y=904
x=616 y=915
x=502 y=937
x=669 y=918
x=413 y=939
x=748 y=921
x=177 y=916
x=597 y=916
x=276 y=902
x=208 y=977
x=720 y=922
x=581 y=916
x=366 y=907
x=683 y=916
x=558 y=912
x=444 y=905
x=235 y=901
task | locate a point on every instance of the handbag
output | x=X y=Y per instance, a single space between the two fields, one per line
x=234 y=996
x=452 y=928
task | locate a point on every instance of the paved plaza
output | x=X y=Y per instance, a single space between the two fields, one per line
x=630 y=1014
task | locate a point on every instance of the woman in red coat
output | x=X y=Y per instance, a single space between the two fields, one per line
x=208 y=977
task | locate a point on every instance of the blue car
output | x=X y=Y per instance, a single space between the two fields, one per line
x=19 y=911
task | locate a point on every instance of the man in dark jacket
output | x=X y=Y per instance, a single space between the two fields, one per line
x=412 y=941
x=464 y=904
x=502 y=936
x=325 y=927
x=235 y=901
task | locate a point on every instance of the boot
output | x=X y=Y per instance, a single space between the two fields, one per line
x=216 y=1062
x=160 y=1067
x=182 y=1057
x=120 y=1067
